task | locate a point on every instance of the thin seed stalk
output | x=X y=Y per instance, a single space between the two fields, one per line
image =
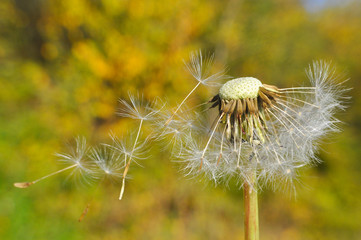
x=251 y=226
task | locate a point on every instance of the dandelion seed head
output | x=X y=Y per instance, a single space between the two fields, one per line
x=266 y=129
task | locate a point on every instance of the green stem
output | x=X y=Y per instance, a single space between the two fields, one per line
x=251 y=227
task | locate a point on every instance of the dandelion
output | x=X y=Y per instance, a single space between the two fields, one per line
x=77 y=159
x=263 y=133
x=270 y=121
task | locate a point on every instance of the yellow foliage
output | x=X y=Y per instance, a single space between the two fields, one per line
x=64 y=64
x=88 y=53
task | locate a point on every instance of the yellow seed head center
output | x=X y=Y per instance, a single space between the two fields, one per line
x=240 y=88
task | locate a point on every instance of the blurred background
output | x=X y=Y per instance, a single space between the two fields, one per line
x=64 y=65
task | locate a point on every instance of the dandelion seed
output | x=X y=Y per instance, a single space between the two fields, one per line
x=77 y=160
x=199 y=67
x=140 y=110
x=28 y=184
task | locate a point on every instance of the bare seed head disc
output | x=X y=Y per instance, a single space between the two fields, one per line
x=240 y=88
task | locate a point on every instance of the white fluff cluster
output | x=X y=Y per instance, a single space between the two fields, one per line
x=105 y=161
x=296 y=123
x=111 y=161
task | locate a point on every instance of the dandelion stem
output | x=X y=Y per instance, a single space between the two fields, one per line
x=251 y=227
x=28 y=184
x=180 y=105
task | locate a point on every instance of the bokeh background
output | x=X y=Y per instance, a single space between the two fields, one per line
x=64 y=65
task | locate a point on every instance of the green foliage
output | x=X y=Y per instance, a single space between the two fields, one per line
x=64 y=64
